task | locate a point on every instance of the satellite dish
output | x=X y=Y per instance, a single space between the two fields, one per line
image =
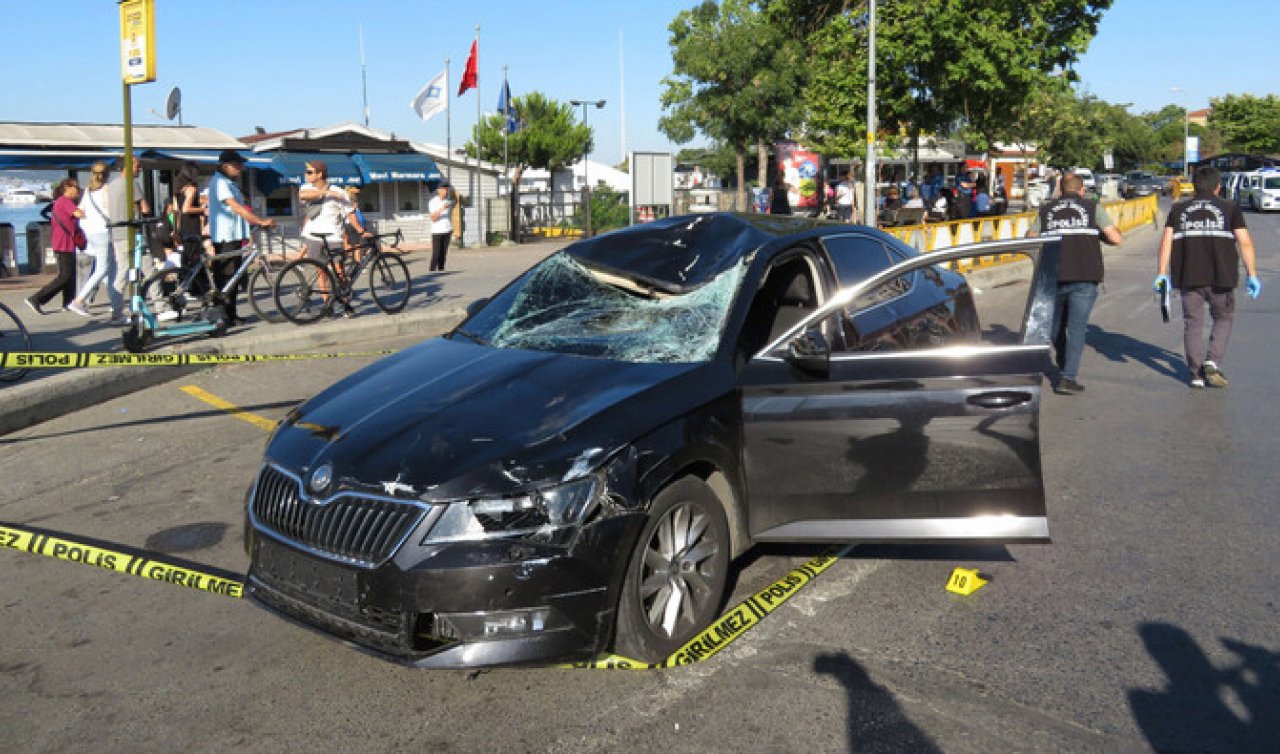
x=173 y=105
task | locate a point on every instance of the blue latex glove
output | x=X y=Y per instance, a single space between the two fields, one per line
x=1253 y=286
x=1162 y=284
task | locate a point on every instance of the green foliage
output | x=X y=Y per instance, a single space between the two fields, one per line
x=972 y=62
x=549 y=137
x=1248 y=123
x=736 y=77
x=609 y=209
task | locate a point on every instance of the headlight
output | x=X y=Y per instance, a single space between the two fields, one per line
x=555 y=507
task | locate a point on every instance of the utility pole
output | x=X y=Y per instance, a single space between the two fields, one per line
x=869 y=206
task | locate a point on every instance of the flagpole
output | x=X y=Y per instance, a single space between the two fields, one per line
x=506 y=130
x=479 y=195
x=364 y=79
x=448 y=127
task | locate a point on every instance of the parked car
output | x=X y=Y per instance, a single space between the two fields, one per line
x=1138 y=183
x=1086 y=175
x=573 y=468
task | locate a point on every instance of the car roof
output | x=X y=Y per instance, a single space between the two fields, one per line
x=681 y=254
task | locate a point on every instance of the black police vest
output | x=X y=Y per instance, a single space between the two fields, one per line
x=1074 y=220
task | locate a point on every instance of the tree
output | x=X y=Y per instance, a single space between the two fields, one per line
x=1248 y=123
x=548 y=138
x=736 y=78
x=976 y=62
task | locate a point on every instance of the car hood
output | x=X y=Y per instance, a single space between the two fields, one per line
x=448 y=419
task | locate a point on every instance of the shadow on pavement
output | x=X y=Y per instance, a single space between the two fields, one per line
x=155 y=420
x=876 y=723
x=1123 y=349
x=1203 y=707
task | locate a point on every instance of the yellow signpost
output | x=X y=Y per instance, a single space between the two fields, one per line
x=138 y=66
x=138 y=41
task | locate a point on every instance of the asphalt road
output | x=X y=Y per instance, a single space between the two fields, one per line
x=1151 y=623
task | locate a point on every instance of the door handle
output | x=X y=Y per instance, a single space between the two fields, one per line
x=998 y=399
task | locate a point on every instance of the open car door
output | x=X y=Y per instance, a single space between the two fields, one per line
x=906 y=408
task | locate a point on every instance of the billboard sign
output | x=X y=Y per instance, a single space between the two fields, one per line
x=801 y=168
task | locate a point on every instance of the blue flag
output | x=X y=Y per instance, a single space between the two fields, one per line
x=507 y=107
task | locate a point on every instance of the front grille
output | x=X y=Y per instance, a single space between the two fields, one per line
x=349 y=526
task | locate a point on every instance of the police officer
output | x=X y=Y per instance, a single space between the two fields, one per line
x=1204 y=240
x=1082 y=225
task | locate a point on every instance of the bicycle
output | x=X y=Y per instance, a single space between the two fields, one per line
x=307 y=289
x=14 y=339
x=168 y=292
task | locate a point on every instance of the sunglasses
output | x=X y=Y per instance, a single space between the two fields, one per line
x=310 y=172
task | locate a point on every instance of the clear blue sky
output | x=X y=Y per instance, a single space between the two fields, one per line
x=284 y=64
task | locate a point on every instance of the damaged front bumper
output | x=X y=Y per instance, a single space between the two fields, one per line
x=455 y=605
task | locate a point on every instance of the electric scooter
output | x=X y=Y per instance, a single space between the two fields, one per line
x=143 y=326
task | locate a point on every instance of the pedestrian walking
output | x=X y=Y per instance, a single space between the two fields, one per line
x=95 y=222
x=1083 y=225
x=67 y=238
x=229 y=221
x=1204 y=241
x=440 y=208
x=846 y=199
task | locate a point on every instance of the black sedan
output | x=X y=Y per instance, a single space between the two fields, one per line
x=573 y=468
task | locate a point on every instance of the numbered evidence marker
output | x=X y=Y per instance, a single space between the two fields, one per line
x=965 y=581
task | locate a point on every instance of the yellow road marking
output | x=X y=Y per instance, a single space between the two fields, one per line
x=261 y=422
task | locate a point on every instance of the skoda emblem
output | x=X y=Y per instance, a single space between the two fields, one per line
x=320 y=479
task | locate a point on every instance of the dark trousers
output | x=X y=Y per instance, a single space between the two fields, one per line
x=439 y=248
x=65 y=280
x=1222 y=308
x=222 y=270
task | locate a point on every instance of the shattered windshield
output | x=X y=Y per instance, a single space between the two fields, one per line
x=564 y=307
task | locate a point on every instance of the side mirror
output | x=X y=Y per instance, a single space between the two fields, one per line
x=810 y=352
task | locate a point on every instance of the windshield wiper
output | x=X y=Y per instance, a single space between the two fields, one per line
x=471 y=336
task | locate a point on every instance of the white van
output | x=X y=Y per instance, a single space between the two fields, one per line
x=1260 y=190
x=1086 y=175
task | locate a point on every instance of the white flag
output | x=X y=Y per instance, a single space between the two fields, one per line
x=433 y=98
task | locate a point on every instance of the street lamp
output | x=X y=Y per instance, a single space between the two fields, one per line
x=599 y=103
x=1186 y=129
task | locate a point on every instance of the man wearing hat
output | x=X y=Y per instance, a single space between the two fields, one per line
x=229 y=221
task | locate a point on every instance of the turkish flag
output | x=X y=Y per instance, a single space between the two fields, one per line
x=470 y=76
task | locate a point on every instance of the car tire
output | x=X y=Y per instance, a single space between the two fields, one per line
x=675 y=582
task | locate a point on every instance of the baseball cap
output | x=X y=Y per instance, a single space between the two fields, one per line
x=230 y=155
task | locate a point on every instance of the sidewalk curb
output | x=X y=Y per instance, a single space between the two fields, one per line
x=30 y=404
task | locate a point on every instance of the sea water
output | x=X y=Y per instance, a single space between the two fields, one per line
x=19 y=216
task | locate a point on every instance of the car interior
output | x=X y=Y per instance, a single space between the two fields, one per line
x=787 y=295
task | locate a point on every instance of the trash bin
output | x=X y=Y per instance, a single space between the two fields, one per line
x=39 y=247
x=8 y=250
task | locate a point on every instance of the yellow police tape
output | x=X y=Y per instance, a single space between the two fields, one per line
x=16 y=538
x=734 y=623
x=38 y=360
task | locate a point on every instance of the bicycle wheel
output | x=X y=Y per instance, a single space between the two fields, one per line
x=162 y=293
x=389 y=283
x=14 y=340
x=262 y=295
x=301 y=291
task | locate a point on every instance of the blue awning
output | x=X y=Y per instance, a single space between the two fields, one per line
x=207 y=156
x=389 y=168
x=293 y=165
